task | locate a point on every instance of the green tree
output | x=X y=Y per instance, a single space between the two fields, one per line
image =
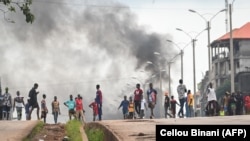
x=23 y=5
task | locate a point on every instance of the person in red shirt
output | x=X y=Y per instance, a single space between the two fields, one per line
x=79 y=109
x=137 y=99
x=94 y=106
x=99 y=101
x=173 y=104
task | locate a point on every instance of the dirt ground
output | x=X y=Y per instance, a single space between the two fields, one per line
x=51 y=132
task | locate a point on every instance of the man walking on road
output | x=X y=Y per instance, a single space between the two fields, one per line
x=181 y=90
x=99 y=101
x=55 y=109
x=137 y=99
x=7 y=104
x=151 y=96
x=33 y=101
x=212 y=99
x=18 y=103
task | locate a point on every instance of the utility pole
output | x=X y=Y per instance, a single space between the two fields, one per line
x=226 y=20
x=195 y=100
x=208 y=46
x=181 y=64
x=169 y=84
x=231 y=50
x=0 y=87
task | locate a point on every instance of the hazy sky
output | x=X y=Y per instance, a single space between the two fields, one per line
x=164 y=16
x=72 y=46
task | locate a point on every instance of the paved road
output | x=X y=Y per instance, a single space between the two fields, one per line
x=15 y=130
x=132 y=130
x=144 y=130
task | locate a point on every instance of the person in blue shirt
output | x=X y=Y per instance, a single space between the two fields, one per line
x=27 y=109
x=124 y=104
x=151 y=98
x=187 y=109
x=71 y=107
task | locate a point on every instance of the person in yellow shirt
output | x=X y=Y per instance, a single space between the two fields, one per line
x=225 y=102
x=222 y=112
x=131 y=108
x=190 y=100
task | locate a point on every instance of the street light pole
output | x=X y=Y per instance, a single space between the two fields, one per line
x=193 y=40
x=231 y=50
x=194 y=70
x=208 y=22
x=169 y=75
x=181 y=53
x=208 y=47
x=181 y=64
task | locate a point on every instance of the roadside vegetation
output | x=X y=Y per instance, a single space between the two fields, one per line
x=73 y=130
x=94 y=134
x=35 y=131
x=59 y=131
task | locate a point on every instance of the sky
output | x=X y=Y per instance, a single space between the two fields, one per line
x=165 y=16
x=72 y=46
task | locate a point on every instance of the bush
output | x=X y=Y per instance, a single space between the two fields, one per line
x=95 y=134
x=72 y=130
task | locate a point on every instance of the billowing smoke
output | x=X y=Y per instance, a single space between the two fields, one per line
x=71 y=48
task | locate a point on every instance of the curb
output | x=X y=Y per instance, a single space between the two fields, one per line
x=83 y=133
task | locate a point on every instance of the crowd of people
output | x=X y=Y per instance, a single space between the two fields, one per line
x=133 y=107
x=75 y=106
x=231 y=104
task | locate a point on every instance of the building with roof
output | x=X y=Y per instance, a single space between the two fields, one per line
x=220 y=55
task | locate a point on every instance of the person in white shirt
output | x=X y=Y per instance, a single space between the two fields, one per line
x=211 y=98
x=143 y=107
x=18 y=104
x=7 y=104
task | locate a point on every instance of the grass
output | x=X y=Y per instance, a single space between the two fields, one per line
x=73 y=130
x=35 y=131
x=94 y=134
